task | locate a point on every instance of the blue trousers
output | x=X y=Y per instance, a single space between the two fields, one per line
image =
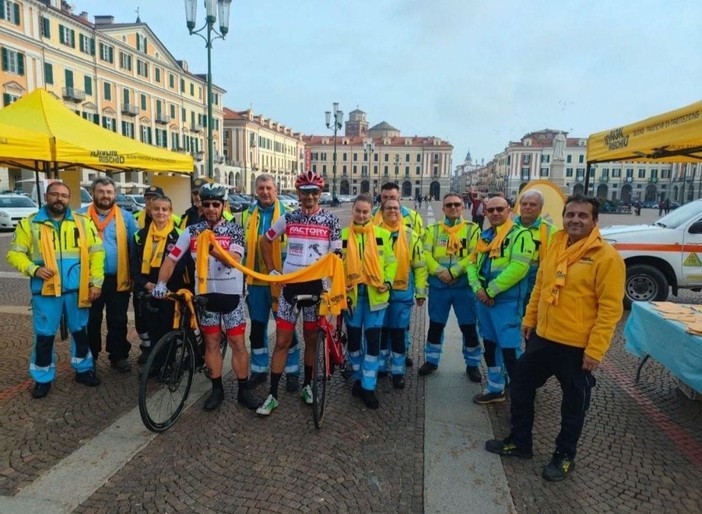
x=364 y=357
x=500 y=324
x=260 y=303
x=46 y=316
x=395 y=338
x=462 y=300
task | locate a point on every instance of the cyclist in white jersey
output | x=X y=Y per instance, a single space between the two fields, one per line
x=224 y=293
x=312 y=232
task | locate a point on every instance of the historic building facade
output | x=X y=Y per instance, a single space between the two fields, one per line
x=117 y=75
x=363 y=159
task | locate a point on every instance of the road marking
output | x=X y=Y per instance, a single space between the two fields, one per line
x=13 y=274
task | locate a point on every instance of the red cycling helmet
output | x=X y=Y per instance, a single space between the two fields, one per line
x=309 y=179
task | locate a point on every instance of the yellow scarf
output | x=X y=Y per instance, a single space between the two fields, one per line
x=52 y=286
x=496 y=243
x=329 y=266
x=364 y=270
x=454 y=243
x=402 y=254
x=157 y=238
x=567 y=255
x=252 y=246
x=189 y=302
x=123 y=281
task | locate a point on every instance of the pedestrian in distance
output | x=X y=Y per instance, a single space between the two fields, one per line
x=116 y=229
x=61 y=252
x=572 y=314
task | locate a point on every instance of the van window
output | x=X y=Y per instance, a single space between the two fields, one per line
x=85 y=196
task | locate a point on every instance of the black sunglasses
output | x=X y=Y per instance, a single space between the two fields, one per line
x=216 y=205
x=453 y=204
x=495 y=209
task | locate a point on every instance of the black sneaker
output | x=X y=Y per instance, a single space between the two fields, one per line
x=474 y=374
x=356 y=388
x=369 y=399
x=398 y=381
x=246 y=398
x=88 y=378
x=143 y=357
x=215 y=399
x=485 y=398
x=507 y=448
x=121 y=365
x=409 y=362
x=292 y=382
x=382 y=374
x=41 y=389
x=256 y=379
x=560 y=465
x=427 y=368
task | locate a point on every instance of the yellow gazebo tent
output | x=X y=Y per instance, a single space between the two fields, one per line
x=23 y=144
x=75 y=142
x=675 y=136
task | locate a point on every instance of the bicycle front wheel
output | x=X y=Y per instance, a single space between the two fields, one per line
x=171 y=365
x=319 y=380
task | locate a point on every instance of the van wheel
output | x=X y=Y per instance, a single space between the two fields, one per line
x=644 y=283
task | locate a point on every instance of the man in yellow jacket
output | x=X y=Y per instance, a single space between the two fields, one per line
x=61 y=253
x=575 y=307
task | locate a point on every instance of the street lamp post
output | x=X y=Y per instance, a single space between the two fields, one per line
x=336 y=124
x=397 y=169
x=368 y=149
x=212 y=8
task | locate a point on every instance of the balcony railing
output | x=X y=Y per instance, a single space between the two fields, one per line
x=195 y=127
x=73 y=94
x=163 y=118
x=130 y=109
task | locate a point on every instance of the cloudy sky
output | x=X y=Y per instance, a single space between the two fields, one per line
x=479 y=73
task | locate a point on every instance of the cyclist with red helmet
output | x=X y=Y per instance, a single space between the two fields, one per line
x=312 y=232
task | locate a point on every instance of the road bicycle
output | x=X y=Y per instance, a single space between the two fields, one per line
x=166 y=378
x=331 y=352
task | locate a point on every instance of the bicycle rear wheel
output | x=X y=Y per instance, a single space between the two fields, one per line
x=171 y=364
x=319 y=380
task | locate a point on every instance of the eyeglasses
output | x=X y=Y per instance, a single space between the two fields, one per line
x=64 y=196
x=309 y=192
x=214 y=205
x=391 y=208
x=490 y=210
x=454 y=205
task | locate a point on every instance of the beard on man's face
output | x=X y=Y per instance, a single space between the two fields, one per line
x=57 y=207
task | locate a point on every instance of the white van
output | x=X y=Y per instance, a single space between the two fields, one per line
x=85 y=198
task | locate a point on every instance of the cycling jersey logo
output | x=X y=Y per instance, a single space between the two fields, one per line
x=308 y=231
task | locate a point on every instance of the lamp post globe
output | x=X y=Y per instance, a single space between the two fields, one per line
x=334 y=120
x=212 y=9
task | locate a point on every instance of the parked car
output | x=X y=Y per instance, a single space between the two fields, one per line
x=325 y=199
x=289 y=201
x=139 y=200
x=238 y=203
x=13 y=208
x=127 y=203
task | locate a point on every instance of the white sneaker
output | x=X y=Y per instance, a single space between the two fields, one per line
x=267 y=407
x=306 y=395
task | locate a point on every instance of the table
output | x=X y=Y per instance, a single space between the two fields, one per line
x=649 y=334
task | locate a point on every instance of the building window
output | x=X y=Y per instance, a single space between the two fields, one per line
x=642 y=172
x=107 y=53
x=145 y=134
x=12 y=62
x=88 y=83
x=128 y=129
x=419 y=169
x=107 y=91
x=569 y=172
x=109 y=123
x=8 y=99
x=171 y=81
x=182 y=86
x=67 y=36
x=143 y=102
x=192 y=89
x=157 y=75
x=174 y=141
x=10 y=12
x=45 y=27
x=616 y=172
x=125 y=61
x=141 y=43
x=87 y=44
x=173 y=113
x=48 y=73
x=544 y=172
x=581 y=158
x=142 y=68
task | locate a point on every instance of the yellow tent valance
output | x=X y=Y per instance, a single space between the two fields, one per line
x=73 y=141
x=675 y=136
